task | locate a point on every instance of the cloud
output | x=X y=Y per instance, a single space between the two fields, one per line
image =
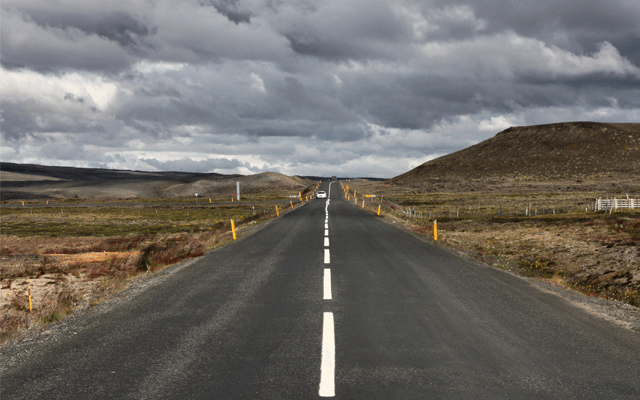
x=495 y=124
x=188 y=164
x=47 y=48
x=35 y=102
x=312 y=87
x=257 y=82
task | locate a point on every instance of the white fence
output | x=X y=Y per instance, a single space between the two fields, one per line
x=615 y=204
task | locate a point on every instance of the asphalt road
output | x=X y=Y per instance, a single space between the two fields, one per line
x=331 y=300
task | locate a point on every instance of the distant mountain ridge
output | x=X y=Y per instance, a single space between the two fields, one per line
x=95 y=174
x=31 y=181
x=561 y=151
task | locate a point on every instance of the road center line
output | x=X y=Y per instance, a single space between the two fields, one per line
x=327 y=258
x=328 y=365
x=326 y=232
x=326 y=242
x=327 y=284
x=326 y=226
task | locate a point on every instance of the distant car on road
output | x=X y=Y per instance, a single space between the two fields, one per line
x=321 y=195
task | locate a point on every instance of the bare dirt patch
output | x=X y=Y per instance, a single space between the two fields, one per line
x=74 y=276
x=57 y=276
x=62 y=280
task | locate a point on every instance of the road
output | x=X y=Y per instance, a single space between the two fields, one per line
x=330 y=301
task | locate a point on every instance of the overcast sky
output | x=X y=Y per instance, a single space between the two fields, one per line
x=307 y=87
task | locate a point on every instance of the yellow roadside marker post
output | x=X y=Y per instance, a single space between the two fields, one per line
x=435 y=230
x=277 y=211
x=363 y=202
x=378 y=209
x=291 y=204
x=233 y=230
x=30 y=305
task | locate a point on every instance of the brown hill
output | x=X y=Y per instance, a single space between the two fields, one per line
x=553 y=152
x=28 y=181
x=265 y=182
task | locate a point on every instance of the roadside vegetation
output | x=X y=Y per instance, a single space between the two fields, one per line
x=78 y=254
x=554 y=236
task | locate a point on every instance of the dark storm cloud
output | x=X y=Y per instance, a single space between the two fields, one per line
x=346 y=30
x=22 y=120
x=304 y=87
x=577 y=25
x=120 y=27
x=232 y=9
x=48 y=48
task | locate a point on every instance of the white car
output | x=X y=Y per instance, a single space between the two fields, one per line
x=321 y=195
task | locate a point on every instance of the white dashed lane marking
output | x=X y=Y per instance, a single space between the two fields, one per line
x=328 y=365
x=327 y=284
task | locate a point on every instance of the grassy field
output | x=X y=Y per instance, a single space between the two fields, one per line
x=118 y=221
x=78 y=253
x=555 y=236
